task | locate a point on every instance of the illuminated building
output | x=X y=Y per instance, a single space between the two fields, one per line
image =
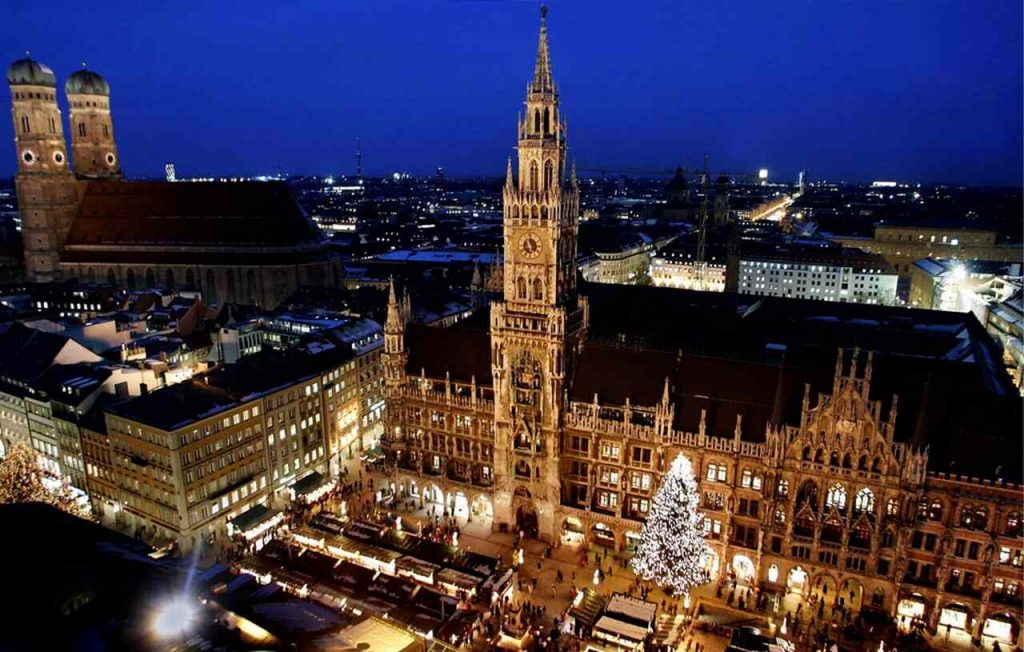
x=844 y=475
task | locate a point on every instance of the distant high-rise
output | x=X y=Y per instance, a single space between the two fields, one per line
x=169 y=172
x=721 y=211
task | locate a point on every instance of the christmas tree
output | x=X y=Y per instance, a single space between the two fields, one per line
x=672 y=551
x=24 y=480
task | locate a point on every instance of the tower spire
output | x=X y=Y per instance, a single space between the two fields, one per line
x=542 y=79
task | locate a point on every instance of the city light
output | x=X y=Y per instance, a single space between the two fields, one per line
x=174 y=618
x=762 y=174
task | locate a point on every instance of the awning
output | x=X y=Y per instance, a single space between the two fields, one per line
x=254 y=521
x=311 y=487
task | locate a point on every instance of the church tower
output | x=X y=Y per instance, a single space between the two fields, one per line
x=47 y=191
x=537 y=327
x=93 y=150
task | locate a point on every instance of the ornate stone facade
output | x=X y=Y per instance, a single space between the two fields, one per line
x=834 y=497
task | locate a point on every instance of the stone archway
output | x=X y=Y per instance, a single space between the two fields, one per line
x=851 y=595
x=743 y=567
x=526 y=519
x=572 y=532
x=602 y=535
x=797 y=580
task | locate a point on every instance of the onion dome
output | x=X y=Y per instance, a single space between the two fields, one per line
x=27 y=72
x=86 y=82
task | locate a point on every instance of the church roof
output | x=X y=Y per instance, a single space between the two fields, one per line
x=86 y=82
x=232 y=218
x=29 y=72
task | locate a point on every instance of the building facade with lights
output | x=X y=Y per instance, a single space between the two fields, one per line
x=243 y=242
x=844 y=475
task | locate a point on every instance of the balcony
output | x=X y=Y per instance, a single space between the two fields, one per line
x=1012 y=599
x=969 y=591
x=927 y=582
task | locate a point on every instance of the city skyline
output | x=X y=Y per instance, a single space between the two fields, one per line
x=406 y=101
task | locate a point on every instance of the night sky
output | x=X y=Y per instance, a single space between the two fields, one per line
x=915 y=90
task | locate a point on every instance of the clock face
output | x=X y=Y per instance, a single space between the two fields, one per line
x=529 y=245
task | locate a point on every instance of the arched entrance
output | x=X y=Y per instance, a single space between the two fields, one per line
x=956 y=615
x=482 y=510
x=711 y=565
x=460 y=504
x=825 y=589
x=572 y=532
x=1002 y=627
x=603 y=535
x=851 y=596
x=526 y=519
x=743 y=567
x=796 y=580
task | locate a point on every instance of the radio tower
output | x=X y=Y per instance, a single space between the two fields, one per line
x=359 y=161
x=702 y=229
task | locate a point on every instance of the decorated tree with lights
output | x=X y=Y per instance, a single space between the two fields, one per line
x=24 y=480
x=672 y=550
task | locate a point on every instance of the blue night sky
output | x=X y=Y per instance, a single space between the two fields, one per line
x=916 y=90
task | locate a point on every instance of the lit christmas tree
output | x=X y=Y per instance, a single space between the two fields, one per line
x=672 y=551
x=24 y=480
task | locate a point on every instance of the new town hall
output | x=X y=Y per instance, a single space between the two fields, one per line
x=868 y=455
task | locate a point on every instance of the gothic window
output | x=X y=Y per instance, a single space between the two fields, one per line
x=833 y=530
x=783 y=488
x=808 y=494
x=111 y=276
x=210 y=286
x=150 y=278
x=836 y=497
x=865 y=501
x=129 y=279
x=521 y=288
x=892 y=507
x=544 y=212
x=53 y=126
x=876 y=466
x=935 y=510
x=888 y=539
x=169 y=279
x=780 y=516
x=24 y=124
x=190 y=280
x=806 y=454
x=819 y=456
x=229 y=283
x=106 y=132
x=515 y=212
x=549 y=175
x=847 y=461
x=833 y=460
x=1013 y=524
x=536 y=212
x=967 y=516
x=538 y=290
x=81 y=129
x=533 y=175
x=981 y=518
x=861 y=536
x=547 y=121
x=803 y=525
x=90 y=275
x=536 y=121
x=863 y=463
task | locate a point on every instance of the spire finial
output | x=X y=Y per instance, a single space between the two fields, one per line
x=542 y=79
x=28 y=54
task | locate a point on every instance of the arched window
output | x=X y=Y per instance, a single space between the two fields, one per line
x=876 y=466
x=106 y=132
x=832 y=530
x=935 y=510
x=833 y=459
x=808 y=494
x=229 y=285
x=847 y=461
x=547 y=121
x=190 y=279
x=150 y=278
x=53 y=126
x=773 y=573
x=836 y=497
x=806 y=454
x=515 y=212
x=860 y=536
x=536 y=121
x=981 y=518
x=535 y=212
x=865 y=501
x=81 y=129
x=892 y=507
x=538 y=289
x=966 y=516
x=111 y=276
x=533 y=175
x=803 y=525
x=780 y=516
x=129 y=279
x=549 y=175
x=782 y=489
x=863 y=463
x=819 y=456
x=90 y=276
x=543 y=212
x=169 y=279
x=521 y=288
x=24 y=124
x=1013 y=522
x=210 y=285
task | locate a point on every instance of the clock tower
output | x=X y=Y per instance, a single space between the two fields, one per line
x=538 y=326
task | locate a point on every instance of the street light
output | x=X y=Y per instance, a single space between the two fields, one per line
x=174 y=618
